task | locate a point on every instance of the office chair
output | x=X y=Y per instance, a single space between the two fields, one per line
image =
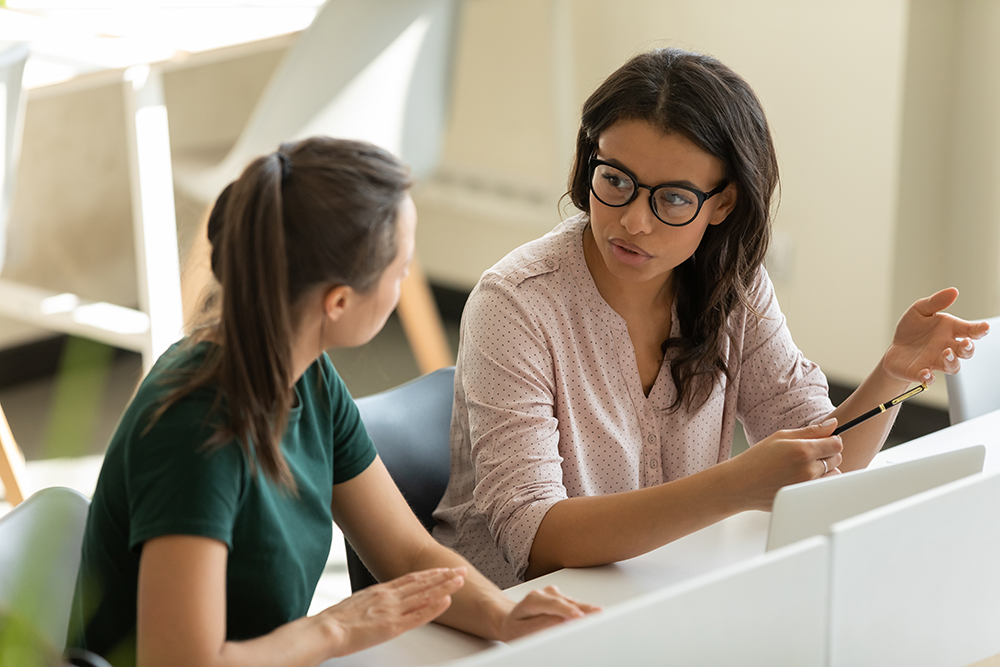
x=40 y=543
x=973 y=391
x=410 y=426
x=377 y=70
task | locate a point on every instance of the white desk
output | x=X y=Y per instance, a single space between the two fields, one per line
x=726 y=544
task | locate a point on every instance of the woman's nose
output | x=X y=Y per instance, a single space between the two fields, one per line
x=638 y=218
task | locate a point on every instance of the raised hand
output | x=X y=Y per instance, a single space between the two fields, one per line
x=541 y=609
x=379 y=613
x=928 y=340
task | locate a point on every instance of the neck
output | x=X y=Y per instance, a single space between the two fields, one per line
x=306 y=347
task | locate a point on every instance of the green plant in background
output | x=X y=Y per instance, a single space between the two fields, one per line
x=78 y=395
x=21 y=646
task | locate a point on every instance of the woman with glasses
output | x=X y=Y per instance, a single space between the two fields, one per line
x=603 y=367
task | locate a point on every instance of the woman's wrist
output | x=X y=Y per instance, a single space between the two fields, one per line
x=889 y=382
x=731 y=488
x=332 y=633
x=497 y=609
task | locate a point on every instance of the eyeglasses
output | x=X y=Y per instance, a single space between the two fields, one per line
x=674 y=205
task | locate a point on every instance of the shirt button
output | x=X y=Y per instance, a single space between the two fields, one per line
x=652 y=463
x=549 y=263
x=651 y=439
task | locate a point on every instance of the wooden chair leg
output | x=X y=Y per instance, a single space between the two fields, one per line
x=422 y=322
x=11 y=464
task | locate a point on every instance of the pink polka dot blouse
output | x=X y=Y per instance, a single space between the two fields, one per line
x=549 y=404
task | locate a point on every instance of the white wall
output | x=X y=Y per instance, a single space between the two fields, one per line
x=886 y=118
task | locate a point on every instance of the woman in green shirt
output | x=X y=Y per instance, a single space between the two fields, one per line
x=212 y=518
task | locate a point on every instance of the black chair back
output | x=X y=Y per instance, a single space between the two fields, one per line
x=410 y=426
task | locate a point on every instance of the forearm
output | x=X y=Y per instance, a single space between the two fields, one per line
x=479 y=607
x=305 y=642
x=595 y=530
x=864 y=441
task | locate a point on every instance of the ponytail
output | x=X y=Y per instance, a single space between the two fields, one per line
x=254 y=367
x=321 y=212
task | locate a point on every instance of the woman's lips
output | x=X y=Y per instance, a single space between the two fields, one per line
x=627 y=253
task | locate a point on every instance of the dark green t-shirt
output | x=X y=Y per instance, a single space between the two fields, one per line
x=164 y=482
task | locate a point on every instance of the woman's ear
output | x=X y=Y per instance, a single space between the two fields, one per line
x=727 y=202
x=336 y=300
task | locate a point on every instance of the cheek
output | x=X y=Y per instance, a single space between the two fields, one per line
x=388 y=298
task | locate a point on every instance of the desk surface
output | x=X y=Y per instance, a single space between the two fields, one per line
x=725 y=543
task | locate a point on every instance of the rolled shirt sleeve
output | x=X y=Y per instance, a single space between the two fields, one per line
x=508 y=392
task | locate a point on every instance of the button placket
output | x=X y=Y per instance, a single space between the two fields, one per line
x=651 y=458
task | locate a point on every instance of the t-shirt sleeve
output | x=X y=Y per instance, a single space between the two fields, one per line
x=177 y=486
x=353 y=450
x=779 y=388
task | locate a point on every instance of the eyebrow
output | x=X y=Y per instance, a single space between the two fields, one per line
x=617 y=163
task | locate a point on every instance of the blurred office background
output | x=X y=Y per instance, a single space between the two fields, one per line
x=885 y=113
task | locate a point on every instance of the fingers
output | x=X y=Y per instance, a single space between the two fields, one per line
x=949 y=361
x=419 y=590
x=550 y=601
x=541 y=609
x=936 y=302
x=974 y=330
x=383 y=611
x=964 y=348
x=819 y=430
x=829 y=465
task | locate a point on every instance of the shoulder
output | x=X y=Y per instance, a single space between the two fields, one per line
x=763 y=299
x=322 y=378
x=551 y=254
x=174 y=367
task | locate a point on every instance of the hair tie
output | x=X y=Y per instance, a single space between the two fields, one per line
x=286 y=165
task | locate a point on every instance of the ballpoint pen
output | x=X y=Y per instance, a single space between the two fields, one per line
x=879 y=409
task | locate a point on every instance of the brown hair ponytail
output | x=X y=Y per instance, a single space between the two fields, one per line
x=321 y=212
x=254 y=369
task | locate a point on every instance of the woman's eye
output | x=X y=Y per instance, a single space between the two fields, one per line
x=618 y=182
x=675 y=198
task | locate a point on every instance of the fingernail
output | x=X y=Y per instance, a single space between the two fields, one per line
x=829 y=422
x=949 y=355
x=968 y=345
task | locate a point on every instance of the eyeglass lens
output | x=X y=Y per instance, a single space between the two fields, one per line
x=673 y=205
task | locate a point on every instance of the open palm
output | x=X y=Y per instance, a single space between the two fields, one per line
x=928 y=340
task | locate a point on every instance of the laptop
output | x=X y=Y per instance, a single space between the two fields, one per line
x=811 y=508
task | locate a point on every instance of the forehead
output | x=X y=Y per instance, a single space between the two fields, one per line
x=658 y=157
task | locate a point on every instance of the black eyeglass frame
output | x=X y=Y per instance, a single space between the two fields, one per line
x=702 y=197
